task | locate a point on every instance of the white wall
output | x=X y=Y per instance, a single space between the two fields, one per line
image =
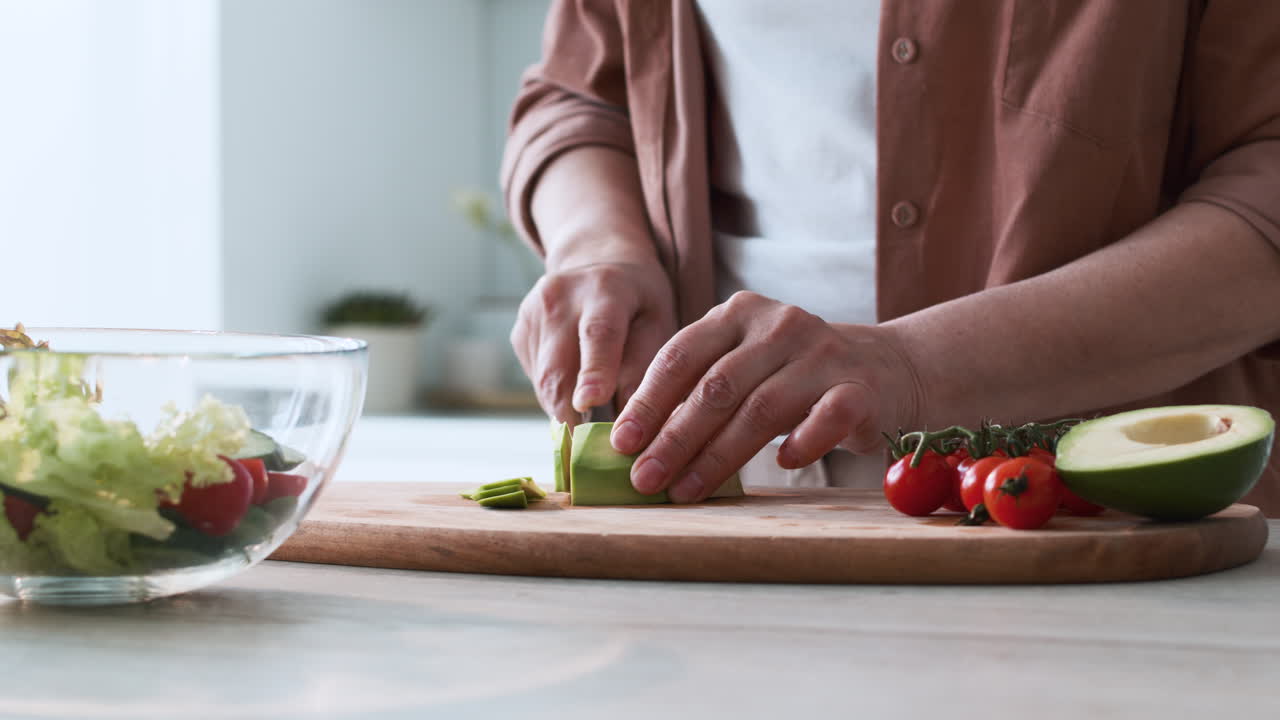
x=108 y=177
x=238 y=163
x=515 y=42
x=345 y=125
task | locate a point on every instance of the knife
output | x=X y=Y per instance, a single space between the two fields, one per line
x=599 y=413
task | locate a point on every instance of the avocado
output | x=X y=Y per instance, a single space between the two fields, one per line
x=261 y=446
x=274 y=456
x=562 y=446
x=600 y=475
x=513 y=499
x=498 y=488
x=1168 y=463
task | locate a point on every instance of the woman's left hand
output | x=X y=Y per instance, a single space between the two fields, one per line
x=753 y=369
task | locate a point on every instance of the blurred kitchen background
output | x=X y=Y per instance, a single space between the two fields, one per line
x=246 y=164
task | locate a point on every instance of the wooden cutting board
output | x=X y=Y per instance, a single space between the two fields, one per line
x=771 y=535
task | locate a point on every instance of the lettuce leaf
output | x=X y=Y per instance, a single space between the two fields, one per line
x=104 y=479
x=191 y=442
x=74 y=538
x=18 y=557
x=62 y=449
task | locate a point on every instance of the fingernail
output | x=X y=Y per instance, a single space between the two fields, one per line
x=647 y=477
x=686 y=489
x=626 y=437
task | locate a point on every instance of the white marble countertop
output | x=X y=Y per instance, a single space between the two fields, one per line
x=288 y=640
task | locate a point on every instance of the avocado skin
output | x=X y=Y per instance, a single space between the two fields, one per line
x=1185 y=489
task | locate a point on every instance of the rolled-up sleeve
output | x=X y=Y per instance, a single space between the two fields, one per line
x=575 y=96
x=1232 y=84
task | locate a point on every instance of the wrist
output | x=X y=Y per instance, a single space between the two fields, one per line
x=896 y=375
x=571 y=250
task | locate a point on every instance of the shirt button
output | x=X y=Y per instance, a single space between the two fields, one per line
x=904 y=214
x=904 y=51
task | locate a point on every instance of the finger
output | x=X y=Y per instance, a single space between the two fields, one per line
x=771 y=409
x=522 y=334
x=602 y=333
x=846 y=415
x=711 y=405
x=675 y=370
x=646 y=337
x=555 y=368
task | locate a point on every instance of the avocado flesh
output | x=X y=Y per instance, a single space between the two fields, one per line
x=525 y=485
x=600 y=475
x=1169 y=463
x=562 y=446
x=514 y=499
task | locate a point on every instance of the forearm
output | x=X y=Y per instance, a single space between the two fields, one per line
x=1183 y=295
x=588 y=207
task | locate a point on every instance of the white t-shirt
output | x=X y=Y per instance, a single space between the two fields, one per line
x=793 y=151
x=793 y=172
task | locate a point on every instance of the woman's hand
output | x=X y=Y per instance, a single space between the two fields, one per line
x=750 y=370
x=588 y=332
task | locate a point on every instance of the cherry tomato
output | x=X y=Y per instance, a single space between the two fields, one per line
x=918 y=490
x=258 y=471
x=954 y=460
x=216 y=509
x=284 y=485
x=1022 y=493
x=1042 y=455
x=973 y=474
x=21 y=515
x=1077 y=505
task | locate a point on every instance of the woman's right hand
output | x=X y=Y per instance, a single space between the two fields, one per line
x=586 y=334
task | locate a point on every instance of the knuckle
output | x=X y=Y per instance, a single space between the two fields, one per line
x=713 y=461
x=743 y=298
x=550 y=384
x=640 y=408
x=675 y=440
x=601 y=331
x=716 y=392
x=760 y=413
x=788 y=325
x=672 y=359
x=552 y=295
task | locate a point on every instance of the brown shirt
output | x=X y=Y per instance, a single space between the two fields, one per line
x=1013 y=137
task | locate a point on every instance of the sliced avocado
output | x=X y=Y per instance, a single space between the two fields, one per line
x=600 y=475
x=1168 y=463
x=525 y=485
x=274 y=456
x=513 y=499
x=286 y=459
x=562 y=447
x=261 y=446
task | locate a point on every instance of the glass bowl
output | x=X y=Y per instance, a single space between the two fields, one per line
x=136 y=464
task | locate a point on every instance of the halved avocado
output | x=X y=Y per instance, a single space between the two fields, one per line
x=1169 y=463
x=600 y=475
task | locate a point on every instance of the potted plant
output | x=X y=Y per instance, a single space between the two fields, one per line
x=392 y=324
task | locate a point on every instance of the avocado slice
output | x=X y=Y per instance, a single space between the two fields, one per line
x=1169 y=463
x=261 y=446
x=525 y=485
x=562 y=444
x=513 y=499
x=600 y=475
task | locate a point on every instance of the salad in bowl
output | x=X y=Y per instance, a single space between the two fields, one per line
x=140 y=464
